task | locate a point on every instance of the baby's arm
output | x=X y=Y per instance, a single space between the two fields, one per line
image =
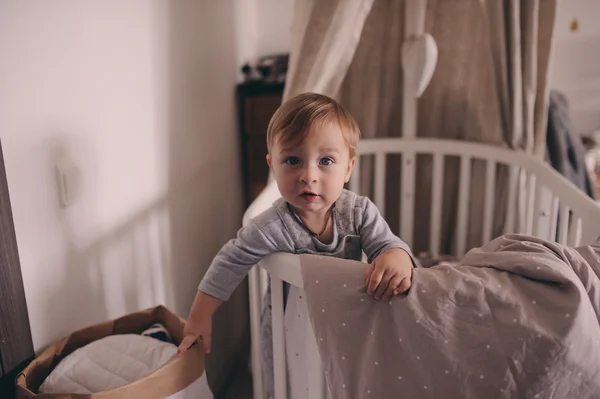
x=226 y=272
x=375 y=234
x=199 y=322
x=233 y=262
x=391 y=260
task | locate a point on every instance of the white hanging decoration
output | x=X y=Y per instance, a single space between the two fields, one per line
x=419 y=58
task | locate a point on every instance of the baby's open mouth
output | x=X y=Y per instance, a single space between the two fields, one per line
x=309 y=195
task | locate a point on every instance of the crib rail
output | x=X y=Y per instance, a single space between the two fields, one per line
x=258 y=284
x=540 y=202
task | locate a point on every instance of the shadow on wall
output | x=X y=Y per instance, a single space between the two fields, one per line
x=131 y=267
x=161 y=253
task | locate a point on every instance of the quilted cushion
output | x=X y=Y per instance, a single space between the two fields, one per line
x=108 y=363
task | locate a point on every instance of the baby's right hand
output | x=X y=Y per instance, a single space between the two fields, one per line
x=194 y=330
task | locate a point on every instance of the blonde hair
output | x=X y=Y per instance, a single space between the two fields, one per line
x=293 y=120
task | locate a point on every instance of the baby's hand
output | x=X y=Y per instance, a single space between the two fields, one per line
x=389 y=274
x=199 y=323
x=194 y=330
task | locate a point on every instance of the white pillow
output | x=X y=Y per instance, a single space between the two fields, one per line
x=108 y=363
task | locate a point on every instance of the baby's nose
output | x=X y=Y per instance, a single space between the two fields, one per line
x=309 y=174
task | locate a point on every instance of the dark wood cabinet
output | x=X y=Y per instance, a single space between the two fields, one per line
x=257 y=102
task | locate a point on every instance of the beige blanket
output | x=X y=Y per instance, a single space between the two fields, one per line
x=517 y=318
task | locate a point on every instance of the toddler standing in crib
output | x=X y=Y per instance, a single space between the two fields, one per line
x=311 y=141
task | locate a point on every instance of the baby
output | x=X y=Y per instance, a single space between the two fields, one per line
x=311 y=141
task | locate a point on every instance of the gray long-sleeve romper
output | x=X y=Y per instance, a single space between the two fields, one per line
x=357 y=227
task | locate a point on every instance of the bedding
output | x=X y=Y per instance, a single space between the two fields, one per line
x=108 y=363
x=517 y=317
x=426 y=259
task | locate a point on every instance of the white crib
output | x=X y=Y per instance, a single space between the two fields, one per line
x=546 y=197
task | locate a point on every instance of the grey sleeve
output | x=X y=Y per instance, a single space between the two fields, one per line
x=375 y=234
x=233 y=262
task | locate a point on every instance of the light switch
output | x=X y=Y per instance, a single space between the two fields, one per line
x=68 y=177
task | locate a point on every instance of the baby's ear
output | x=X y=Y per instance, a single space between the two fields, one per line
x=269 y=161
x=351 y=163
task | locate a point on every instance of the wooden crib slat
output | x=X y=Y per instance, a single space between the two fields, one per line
x=463 y=204
x=408 y=196
x=543 y=226
x=578 y=237
x=513 y=181
x=488 y=210
x=380 y=159
x=279 y=363
x=564 y=224
x=255 y=337
x=436 y=203
x=354 y=183
x=574 y=238
x=530 y=195
x=537 y=211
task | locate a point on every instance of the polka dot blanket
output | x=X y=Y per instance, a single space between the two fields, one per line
x=516 y=318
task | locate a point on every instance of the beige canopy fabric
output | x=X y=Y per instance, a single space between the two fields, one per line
x=324 y=38
x=490 y=85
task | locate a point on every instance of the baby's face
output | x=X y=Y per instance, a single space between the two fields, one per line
x=311 y=176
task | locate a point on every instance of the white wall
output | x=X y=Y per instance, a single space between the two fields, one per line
x=140 y=94
x=264 y=27
x=576 y=61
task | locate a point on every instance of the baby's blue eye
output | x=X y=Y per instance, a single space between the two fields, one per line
x=326 y=161
x=292 y=160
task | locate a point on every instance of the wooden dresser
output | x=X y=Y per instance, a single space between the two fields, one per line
x=257 y=102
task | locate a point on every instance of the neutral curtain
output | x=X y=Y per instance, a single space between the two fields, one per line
x=325 y=34
x=490 y=85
